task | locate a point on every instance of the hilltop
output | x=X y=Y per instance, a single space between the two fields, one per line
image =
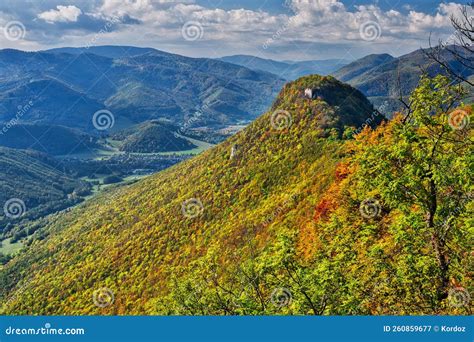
x=151 y=137
x=282 y=165
x=282 y=218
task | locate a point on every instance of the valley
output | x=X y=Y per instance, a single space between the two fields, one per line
x=194 y=186
x=57 y=121
x=158 y=109
x=95 y=163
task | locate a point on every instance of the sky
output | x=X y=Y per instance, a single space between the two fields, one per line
x=276 y=29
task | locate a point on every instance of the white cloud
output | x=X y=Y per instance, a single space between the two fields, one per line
x=311 y=23
x=61 y=14
x=312 y=29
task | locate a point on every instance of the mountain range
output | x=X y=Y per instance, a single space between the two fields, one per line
x=289 y=70
x=383 y=77
x=291 y=215
x=68 y=85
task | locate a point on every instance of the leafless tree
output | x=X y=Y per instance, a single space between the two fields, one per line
x=459 y=47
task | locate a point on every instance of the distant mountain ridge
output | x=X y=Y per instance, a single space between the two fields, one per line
x=379 y=76
x=53 y=140
x=358 y=67
x=68 y=85
x=109 y=51
x=288 y=70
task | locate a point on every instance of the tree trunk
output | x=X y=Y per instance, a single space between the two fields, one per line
x=438 y=243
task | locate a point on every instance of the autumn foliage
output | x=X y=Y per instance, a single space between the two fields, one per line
x=299 y=221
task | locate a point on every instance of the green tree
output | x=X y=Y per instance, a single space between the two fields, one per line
x=423 y=162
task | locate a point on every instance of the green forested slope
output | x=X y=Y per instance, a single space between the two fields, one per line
x=31 y=179
x=272 y=221
x=54 y=140
x=151 y=137
x=67 y=86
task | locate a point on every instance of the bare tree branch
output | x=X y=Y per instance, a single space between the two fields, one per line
x=459 y=48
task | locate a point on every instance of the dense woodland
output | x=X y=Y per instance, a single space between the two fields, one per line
x=34 y=178
x=309 y=210
x=151 y=137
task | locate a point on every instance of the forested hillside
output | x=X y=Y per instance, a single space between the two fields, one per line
x=296 y=214
x=53 y=140
x=382 y=78
x=151 y=137
x=67 y=86
x=33 y=186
